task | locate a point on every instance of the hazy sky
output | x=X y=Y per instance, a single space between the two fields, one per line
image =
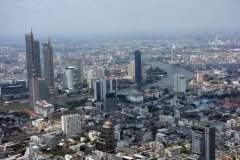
x=89 y=16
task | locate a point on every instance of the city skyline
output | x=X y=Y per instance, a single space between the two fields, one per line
x=126 y=16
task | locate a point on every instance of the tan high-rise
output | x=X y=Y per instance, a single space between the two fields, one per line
x=200 y=77
x=131 y=70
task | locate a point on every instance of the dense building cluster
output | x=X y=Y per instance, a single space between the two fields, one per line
x=121 y=99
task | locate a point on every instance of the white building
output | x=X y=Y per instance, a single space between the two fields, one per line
x=100 y=89
x=231 y=123
x=123 y=143
x=179 y=83
x=136 y=97
x=147 y=136
x=44 y=108
x=173 y=54
x=117 y=135
x=175 y=101
x=166 y=119
x=71 y=124
x=68 y=78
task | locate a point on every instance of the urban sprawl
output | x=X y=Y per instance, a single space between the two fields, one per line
x=145 y=97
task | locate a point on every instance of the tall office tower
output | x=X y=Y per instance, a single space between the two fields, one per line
x=43 y=90
x=81 y=70
x=113 y=85
x=179 y=83
x=32 y=56
x=106 y=141
x=138 y=67
x=48 y=63
x=71 y=124
x=68 y=82
x=33 y=93
x=131 y=70
x=99 y=73
x=200 y=77
x=38 y=90
x=173 y=54
x=33 y=68
x=100 y=89
x=203 y=142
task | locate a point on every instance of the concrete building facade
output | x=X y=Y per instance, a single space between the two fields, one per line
x=68 y=82
x=100 y=89
x=71 y=124
x=44 y=108
x=48 y=63
x=203 y=142
x=179 y=83
x=32 y=56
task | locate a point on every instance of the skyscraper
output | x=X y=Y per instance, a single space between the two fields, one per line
x=100 y=89
x=200 y=77
x=203 y=142
x=173 y=54
x=71 y=124
x=32 y=57
x=48 y=63
x=68 y=82
x=81 y=70
x=33 y=68
x=99 y=73
x=113 y=85
x=138 y=67
x=179 y=83
x=38 y=90
x=131 y=70
x=106 y=141
x=33 y=93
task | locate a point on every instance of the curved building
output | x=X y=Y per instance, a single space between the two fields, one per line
x=106 y=141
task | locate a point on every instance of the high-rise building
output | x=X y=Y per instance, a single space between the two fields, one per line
x=43 y=90
x=203 y=142
x=179 y=83
x=81 y=70
x=100 y=89
x=138 y=67
x=48 y=63
x=32 y=57
x=200 y=77
x=33 y=93
x=38 y=90
x=110 y=102
x=99 y=73
x=71 y=124
x=173 y=54
x=131 y=70
x=68 y=82
x=106 y=141
x=111 y=85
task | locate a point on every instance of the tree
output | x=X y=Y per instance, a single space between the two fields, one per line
x=42 y=130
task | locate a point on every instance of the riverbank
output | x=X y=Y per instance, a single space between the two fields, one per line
x=169 y=80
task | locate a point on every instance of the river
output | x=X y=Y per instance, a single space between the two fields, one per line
x=169 y=80
x=170 y=69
